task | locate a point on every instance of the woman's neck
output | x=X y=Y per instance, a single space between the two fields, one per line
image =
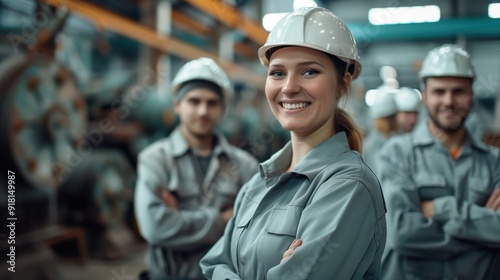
x=303 y=144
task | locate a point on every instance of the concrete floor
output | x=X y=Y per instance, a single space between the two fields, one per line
x=42 y=263
x=124 y=269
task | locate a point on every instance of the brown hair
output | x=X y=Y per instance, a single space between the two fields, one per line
x=348 y=125
x=344 y=122
x=386 y=125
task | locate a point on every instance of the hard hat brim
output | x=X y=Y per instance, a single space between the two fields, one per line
x=264 y=59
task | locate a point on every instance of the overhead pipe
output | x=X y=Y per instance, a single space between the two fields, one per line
x=148 y=36
x=232 y=18
x=480 y=27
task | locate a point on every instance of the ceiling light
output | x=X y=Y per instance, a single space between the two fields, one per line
x=271 y=19
x=402 y=15
x=494 y=10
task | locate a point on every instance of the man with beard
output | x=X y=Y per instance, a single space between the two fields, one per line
x=441 y=185
x=187 y=183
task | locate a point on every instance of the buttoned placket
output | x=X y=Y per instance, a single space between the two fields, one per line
x=241 y=260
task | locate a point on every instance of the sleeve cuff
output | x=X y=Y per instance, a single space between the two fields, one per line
x=443 y=208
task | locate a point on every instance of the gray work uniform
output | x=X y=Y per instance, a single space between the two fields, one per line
x=177 y=239
x=462 y=238
x=330 y=200
x=372 y=145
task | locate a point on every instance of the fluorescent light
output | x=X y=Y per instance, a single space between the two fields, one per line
x=494 y=10
x=402 y=15
x=270 y=20
x=297 y=4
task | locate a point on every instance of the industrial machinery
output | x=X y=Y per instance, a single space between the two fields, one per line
x=43 y=119
x=42 y=116
x=67 y=185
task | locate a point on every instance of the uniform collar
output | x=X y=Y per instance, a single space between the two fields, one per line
x=471 y=141
x=180 y=145
x=312 y=163
x=422 y=136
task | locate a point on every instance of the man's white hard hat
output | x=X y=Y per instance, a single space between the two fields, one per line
x=206 y=69
x=447 y=61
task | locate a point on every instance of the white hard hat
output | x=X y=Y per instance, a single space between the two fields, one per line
x=408 y=99
x=447 y=60
x=390 y=83
x=316 y=28
x=206 y=69
x=384 y=104
x=388 y=72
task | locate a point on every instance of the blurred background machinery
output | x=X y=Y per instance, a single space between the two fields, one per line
x=67 y=187
x=85 y=87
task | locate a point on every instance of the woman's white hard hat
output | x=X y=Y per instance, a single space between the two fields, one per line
x=316 y=28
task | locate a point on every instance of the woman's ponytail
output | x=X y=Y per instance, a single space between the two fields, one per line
x=347 y=124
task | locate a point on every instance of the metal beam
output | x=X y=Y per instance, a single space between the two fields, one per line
x=107 y=20
x=230 y=16
x=190 y=24
x=245 y=50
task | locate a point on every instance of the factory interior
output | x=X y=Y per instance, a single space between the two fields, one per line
x=85 y=86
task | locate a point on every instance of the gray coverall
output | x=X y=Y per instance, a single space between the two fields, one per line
x=177 y=239
x=462 y=239
x=372 y=145
x=331 y=201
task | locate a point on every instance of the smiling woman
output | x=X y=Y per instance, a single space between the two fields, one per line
x=315 y=210
x=301 y=89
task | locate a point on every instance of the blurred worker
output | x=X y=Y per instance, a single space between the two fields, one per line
x=187 y=182
x=315 y=210
x=383 y=113
x=442 y=186
x=408 y=104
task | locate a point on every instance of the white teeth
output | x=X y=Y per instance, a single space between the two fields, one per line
x=291 y=106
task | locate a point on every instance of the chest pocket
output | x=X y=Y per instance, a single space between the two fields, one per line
x=186 y=189
x=244 y=219
x=280 y=231
x=245 y=213
x=284 y=222
x=479 y=190
x=180 y=182
x=431 y=186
